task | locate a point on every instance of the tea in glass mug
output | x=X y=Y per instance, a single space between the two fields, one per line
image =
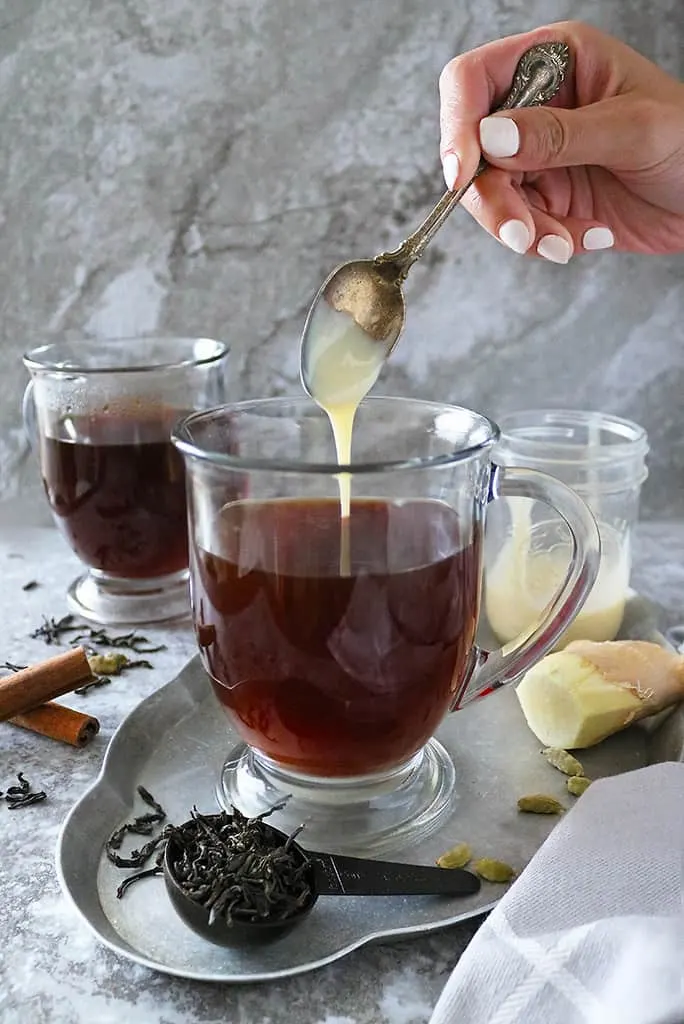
x=100 y=414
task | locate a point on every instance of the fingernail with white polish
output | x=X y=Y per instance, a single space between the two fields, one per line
x=554 y=248
x=499 y=136
x=450 y=166
x=598 y=238
x=515 y=235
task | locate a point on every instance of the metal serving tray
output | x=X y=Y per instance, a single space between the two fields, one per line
x=174 y=744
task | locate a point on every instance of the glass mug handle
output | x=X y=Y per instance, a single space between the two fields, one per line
x=28 y=413
x=489 y=670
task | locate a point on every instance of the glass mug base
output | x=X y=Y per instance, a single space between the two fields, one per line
x=370 y=815
x=115 y=601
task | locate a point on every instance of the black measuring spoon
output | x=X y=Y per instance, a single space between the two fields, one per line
x=327 y=875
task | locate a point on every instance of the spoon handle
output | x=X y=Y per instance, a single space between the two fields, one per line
x=538 y=77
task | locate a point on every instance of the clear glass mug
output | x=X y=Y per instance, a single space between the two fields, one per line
x=337 y=675
x=100 y=415
x=603 y=459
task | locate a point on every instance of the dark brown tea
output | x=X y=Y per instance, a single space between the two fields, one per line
x=116 y=487
x=336 y=675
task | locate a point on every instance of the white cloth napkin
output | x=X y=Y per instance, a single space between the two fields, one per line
x=592 y=932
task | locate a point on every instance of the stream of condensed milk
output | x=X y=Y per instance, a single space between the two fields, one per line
x=344 y=364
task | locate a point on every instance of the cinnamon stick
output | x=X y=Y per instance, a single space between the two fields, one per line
x=59 y=723
x=39 y=683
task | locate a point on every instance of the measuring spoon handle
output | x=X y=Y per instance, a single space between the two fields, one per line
x=355 y=876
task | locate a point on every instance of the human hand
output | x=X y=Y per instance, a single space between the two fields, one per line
x=602 y=165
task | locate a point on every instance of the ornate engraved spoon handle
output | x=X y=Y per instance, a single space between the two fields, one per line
x=538 y=77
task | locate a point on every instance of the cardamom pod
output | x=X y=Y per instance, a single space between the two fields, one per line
x=540 y=803
x=493 y=870
x=563 y=761
x=578 y=785
x=457 y=857
x=107 y=664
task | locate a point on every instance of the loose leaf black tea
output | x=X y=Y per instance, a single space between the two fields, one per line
x=106 y=665
x=22 y=788
x=132 y=641
x=102 y=665
x=52 y=630
x=143 y=825
x=22 y=795
x=9 y=666
x=151 y=802
x=239 y=869
x=147 y=873
x=115 y=663
x=235 y=866
x=84 y=690
x=31 y=585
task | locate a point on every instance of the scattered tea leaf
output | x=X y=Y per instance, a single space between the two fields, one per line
x=106 y=665
x=52 y=630
x=26 y=801
x=147 y=873
x=563 y=761
x=94 y=684
x=114 y=663
x=493 y=870
x=578 y=784
x=457 y=857
x=151 y=802
x=133 y=641
x=540 y=803
x=22 y=788
x=22 y=795
x=11 y=667
x=142 y=825
x=31 y=585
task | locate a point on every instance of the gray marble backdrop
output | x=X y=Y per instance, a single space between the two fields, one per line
x=199 y=166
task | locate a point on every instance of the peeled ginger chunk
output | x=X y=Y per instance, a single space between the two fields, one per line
x=576 y=697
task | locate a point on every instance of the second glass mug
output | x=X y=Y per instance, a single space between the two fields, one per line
x=100 y=415
x=337 y=676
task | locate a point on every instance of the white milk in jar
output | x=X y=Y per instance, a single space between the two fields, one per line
x=524 y=577
x=600 y=456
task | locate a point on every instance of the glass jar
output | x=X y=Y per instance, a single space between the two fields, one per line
x=603 y=458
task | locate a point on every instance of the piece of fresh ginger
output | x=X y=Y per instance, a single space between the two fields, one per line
x=576 y=697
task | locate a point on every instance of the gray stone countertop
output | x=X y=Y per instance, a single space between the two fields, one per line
x=54 y=971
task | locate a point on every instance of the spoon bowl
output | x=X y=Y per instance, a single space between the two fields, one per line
x=364 y=293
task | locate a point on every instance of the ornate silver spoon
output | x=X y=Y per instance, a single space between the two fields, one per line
x=369 y=291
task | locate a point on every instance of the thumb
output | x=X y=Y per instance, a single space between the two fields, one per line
x=606 y=134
